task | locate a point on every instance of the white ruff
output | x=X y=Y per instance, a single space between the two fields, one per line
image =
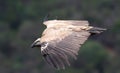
x=44 y=46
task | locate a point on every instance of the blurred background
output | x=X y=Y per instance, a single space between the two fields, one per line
x=21 y=24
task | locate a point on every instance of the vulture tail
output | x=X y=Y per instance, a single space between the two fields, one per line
x=96 y=30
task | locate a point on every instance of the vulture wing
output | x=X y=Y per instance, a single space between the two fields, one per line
x=60 y=43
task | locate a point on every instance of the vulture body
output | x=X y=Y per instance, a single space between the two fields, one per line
x=62 y=39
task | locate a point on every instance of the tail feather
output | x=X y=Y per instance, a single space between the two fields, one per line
x=96 y=30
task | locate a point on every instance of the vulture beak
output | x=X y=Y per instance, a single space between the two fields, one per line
x=36 y=44
x=33 y=45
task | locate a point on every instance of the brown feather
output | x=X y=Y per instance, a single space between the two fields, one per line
x=64 y=38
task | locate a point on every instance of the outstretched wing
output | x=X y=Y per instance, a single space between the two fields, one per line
x=67 y=22
x=60 y=44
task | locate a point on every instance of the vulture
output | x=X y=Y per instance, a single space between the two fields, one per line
x=62 y=39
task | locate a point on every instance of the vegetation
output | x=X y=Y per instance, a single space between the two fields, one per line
x=21 y=24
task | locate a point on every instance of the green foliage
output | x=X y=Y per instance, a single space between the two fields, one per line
x=116 y=27
x=92 y=55
x=21 y=24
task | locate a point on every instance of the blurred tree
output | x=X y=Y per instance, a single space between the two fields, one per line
x=21 y=23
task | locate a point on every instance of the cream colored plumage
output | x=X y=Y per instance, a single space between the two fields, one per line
x=62 y=39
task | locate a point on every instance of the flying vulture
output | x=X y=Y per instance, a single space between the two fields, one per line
x=62 y=40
